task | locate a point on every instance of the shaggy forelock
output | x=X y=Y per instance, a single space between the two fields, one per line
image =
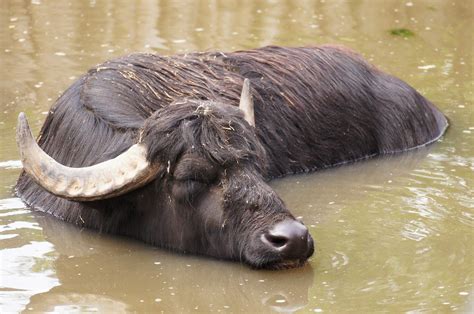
x=214 y=131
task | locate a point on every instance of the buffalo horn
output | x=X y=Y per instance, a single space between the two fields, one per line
x=110 y=178
x=246 y=103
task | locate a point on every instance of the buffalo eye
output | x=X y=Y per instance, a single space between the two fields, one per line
x=188 y=191
x=191 y=177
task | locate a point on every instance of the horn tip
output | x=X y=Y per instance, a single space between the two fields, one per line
x=246 y=103
x=246 y=85
x=23 y=132
x=22 y=121
x=21 y=117
x=245 y=89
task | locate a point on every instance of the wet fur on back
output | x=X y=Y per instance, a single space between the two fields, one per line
x=314 y=108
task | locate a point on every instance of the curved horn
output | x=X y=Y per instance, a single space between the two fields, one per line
x=246 y=103
x=110 y=178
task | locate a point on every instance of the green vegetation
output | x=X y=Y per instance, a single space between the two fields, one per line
x=403 y=32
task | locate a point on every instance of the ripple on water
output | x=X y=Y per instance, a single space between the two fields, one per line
x=27 y=265
x=467 y=218
x=422 y=203
x=429 y=174
x=16 y=225
x=416 y=230
x=339 y=259
x=11 y=164
x=8 y=204
x=25 y=272
x=14 y=212
x=8 y=236
x=12 y=207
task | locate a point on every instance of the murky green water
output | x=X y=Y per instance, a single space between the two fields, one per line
x=393 y=234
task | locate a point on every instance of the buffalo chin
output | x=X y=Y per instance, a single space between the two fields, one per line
x=281 y=265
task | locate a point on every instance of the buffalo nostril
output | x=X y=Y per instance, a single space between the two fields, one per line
x=276 y=240
x=290 y=239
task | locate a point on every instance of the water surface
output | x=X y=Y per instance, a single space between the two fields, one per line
x=393 y=234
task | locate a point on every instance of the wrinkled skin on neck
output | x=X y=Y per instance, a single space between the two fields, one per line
x=211 y=195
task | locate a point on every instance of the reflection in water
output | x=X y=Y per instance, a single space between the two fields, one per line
x=392 y=234
x=156 y=279
x=25 y=265
x=24 y=274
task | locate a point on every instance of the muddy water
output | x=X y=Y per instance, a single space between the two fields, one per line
x=393 y=234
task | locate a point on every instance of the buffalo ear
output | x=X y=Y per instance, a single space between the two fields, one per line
x=246 y=103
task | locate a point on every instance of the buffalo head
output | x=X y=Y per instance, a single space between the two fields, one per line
x=195 y=179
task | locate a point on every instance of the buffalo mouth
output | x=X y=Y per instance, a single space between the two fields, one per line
x=284 y=264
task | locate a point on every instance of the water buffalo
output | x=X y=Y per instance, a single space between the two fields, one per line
x=176 y=151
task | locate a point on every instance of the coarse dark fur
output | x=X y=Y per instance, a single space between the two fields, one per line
x=314 y=108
